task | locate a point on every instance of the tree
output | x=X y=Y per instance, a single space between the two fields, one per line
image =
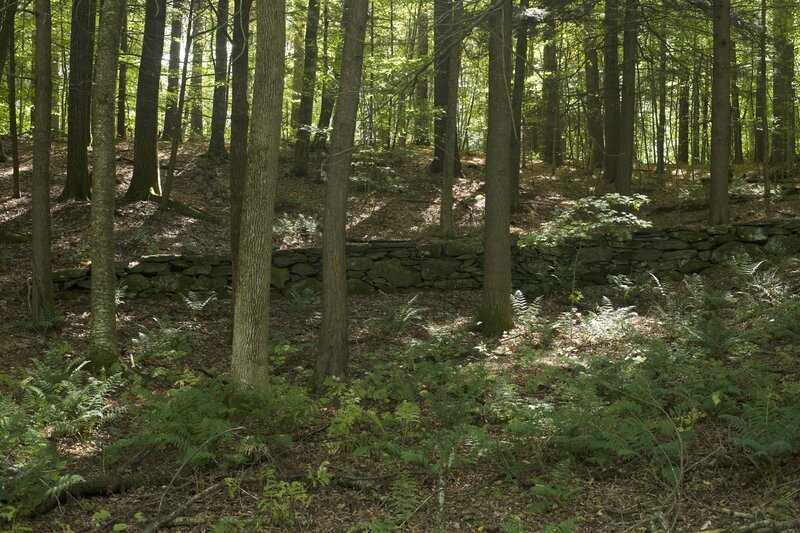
x=78 y=185
x=783 y=94
x=196 y=93
x=594 y=102
x=41 y=293
x=442 y=13
x=330 y=84
x=495 y=313
x=450 y=162
x=173 y=79
x=611 y=96
x=103 y=351
x=520 y=64
x=146 y=180
x=219 y=107
x=122 y=92
x=422 y=114
x=628 y=110
x=720 y=113
x=250 y=357
x=239 y=118
x=306 y=110
x=333 y=354
x=12 y=105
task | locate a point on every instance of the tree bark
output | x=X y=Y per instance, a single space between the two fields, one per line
x=219 y=107
x=196 y=92
x=103 y=350
x=628 y=116
x=495 y=314
x=240 y=109
x=611 y=96
x=303 y=132
x=12 y=105
x=173 y=79
x=783 y=87
x=250 y=357
x=450 y=163
x=78 y=185
x=520 y=68
x=333 y=353
x=594 y=102
x=661 y=134
x=41 y=301
x=330 y=84
x=720 y=113
x=442 y=12
x=421 y=107
x=683 y=125
x=122 y=94
x=696 y=81
x=736 y=112
x=552 y=144
x=146 y=179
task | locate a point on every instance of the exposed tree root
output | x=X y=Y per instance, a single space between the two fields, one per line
x=187 y=210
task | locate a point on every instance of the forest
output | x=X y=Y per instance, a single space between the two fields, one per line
x=399 y=265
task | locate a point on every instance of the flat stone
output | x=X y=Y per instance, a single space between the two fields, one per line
x=283 y=259
x=430 y=250
x=160 y=258
x=171 y=282
x=679 y=254
x=459 y=247
x=433 y=269
x=304 y=270
x=729 y=250
x=595 y=254
x=136 y=282
x=149 y=268
x=222 y=270
x=646 y=254
x=198 y=270
x=359 y=287
x=70 y=273
x=671 y=244
x=750 y=233
x=689 y=235
x=693 y=265
x=783 y=244
x=307 y=287
x=203 y=283
x=358 y=263
x=394 y=273
x=279 y=277
x=456 y=284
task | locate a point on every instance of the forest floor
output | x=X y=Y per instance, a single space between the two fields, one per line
x=441 y=474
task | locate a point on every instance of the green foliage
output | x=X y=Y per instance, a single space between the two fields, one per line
x=293 y=232
x=398 y=318
x=765 y=428
x=589 y=216
x=165 y=342
x=281 y=500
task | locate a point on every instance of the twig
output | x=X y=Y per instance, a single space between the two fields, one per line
x=760 y=526
x=169 y=517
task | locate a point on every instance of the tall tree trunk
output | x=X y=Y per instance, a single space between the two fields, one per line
x=611 y=96
x=77 y=185
x=446 y=218
x=736 y=112
x=422 y=115
x=122 y=92
x=520 y=67
x=173 y=79
x=495 y=314
x=594 y=102
x=297 y=64
x=720 y=113
x=250 y=356
x=762 y=129
x=332 y=359
x=219 y=107
x=239 y=119
x=330 y=84
x=552 y=143
x=683 y=125
x=783 y=87
x=661 y=133
x=12 y=104
x=442 y=13
x=628 y=116
x=196 y=92
x=696 y=112
x=146 y=179
x=303 y=133
x=41 y=300
x=103 y=350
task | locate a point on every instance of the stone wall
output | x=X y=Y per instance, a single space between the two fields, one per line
x=409 y=266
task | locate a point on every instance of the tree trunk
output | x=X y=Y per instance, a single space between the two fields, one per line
x=12 y=105
x=683 y=125
x=250 y=356
x=330 y=85
x=628 y=112
x=196 y=92
x=297 y=64
x=762 y=130
x=661 y=133
x=696 y=113
x=77 y=185
x=333 y=353
x=446 y=218
x=611 y=96
x=173 y=79
x=303 y=133
x=594 y=102
x=783 y=88
x=552 y=144
x=495 y=314
x=520 y=64
x=219 y=108
x=103 y=350
x=122 y=94
x=239 y=119
x=442 y=13
x=421 y=107
x=146 y=179
x=736 y=112
x=41 y=301
x=720 y=113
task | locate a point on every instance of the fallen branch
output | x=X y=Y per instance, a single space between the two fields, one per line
x=162 y=521
x=187 y=210
x=760 y=526
x=8 y=238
